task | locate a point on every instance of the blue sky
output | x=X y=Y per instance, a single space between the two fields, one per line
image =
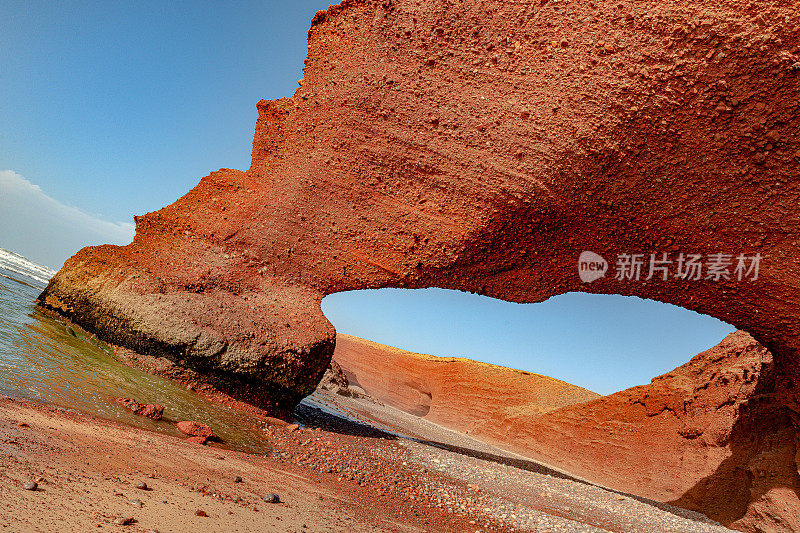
x=111 y=109
x=602 y=342
x=119 y=108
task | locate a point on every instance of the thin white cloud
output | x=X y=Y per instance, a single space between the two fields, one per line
x=45 y=230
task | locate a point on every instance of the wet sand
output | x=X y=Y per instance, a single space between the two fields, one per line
x=88 y=469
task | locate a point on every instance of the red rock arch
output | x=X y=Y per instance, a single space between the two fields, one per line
x=478 y=146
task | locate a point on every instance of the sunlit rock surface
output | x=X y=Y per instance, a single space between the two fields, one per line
x=479 y=146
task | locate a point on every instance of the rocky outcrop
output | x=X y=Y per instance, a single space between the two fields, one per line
x=479 y=146
x=335 y=380
x=195 y=429
x=454 y=392
x=712 y=435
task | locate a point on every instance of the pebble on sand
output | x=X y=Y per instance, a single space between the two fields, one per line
x=122 y=521
x=30 y=485
x=272 y=498
x=200 y=512
x=136 y=503
x=190 y=427
x=141 y=485
x=237 y=479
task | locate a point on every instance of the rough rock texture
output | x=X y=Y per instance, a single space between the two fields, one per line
x=335 y=380
x=457 y=393
x=195 y=429
x=481 y=146
x=711 y=436
x=154 y=412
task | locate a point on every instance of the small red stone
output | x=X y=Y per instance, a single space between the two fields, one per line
x=196 y=429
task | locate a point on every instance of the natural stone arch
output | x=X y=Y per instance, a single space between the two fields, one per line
x=400 y=163
x=478 y=146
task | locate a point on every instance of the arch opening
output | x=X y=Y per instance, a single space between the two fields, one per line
x=603 y=343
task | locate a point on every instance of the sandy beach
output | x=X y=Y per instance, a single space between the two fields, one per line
x=87 y=471
x=330 y=474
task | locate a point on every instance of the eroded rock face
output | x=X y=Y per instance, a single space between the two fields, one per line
x=456 y=146
x=710 y=435
x=479 y=146
x=454 y=392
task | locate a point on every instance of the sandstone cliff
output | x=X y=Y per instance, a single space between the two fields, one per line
x=708 y=436
x=479 y=146
x=457 y=393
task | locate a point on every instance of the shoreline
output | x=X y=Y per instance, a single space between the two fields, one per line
x=87 y=469
x=332 y=475
x=406 y=473
x=163 y=367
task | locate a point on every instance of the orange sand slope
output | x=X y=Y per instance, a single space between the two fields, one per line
x=461 y=394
